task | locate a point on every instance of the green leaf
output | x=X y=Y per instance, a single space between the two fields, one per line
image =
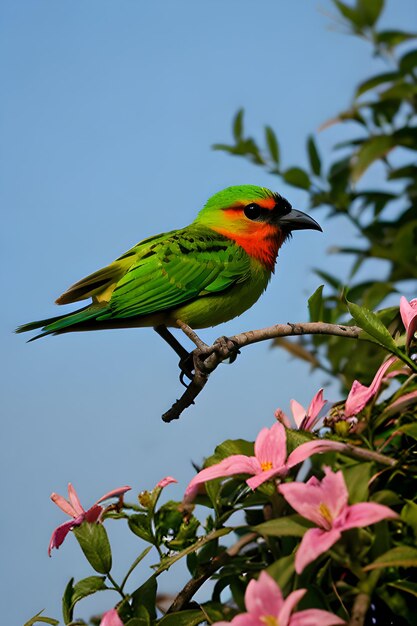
x=379 y=79
x=145 y=596
x=67 y=608
x=40 y=618
x=409 y=515
x=313 y=155
x=183 y=618
x=405 y=585
x=392 y=38
x=282 y=570
x=408 y=62
x=349 y=13
x=297 y=177
x=371 y=150
x=402 y=556
x=140 y=525
x=289 y=526
x=142 y=619
x=315 y=305
x=357 y=477
x=409 y=429
x=371 y=324
x=371 y=10
x=272 y=143
x=86 y=587
x=238 y=125
x=233 y=446
x=95 y=544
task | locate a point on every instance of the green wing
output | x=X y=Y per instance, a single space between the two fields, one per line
x=183 y=266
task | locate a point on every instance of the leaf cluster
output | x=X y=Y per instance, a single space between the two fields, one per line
x=382 y=122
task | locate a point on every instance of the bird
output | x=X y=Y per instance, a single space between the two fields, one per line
x=202 y=275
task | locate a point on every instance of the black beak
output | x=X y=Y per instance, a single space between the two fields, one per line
x=297 y=220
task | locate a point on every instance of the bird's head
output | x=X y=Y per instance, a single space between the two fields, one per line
x=256 y=218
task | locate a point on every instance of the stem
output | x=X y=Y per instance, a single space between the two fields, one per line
x=116 y=587
x=216 y=563
x=134 y=564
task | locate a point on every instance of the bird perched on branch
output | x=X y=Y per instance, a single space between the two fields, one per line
x=203 y=274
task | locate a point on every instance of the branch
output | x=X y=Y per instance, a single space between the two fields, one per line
x=207 y=358
x=360 y=609
x=216 y=563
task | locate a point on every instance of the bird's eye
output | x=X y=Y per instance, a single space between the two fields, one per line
x=252 y=211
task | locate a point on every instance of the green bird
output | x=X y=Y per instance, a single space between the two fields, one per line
x=204 y=274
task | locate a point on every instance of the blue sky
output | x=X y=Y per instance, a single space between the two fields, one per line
x=108 y=114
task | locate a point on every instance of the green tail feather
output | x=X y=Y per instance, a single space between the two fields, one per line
x=55 y=325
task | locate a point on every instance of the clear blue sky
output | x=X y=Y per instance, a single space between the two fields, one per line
x=108 y=112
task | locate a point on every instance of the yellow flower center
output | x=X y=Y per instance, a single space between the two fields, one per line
x=269 y=620
x=266 y=465
x=324 y=511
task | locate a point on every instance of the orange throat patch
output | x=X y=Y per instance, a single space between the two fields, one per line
x=261 y=243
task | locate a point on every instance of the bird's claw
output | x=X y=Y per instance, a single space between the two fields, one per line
x=186 y=366
x=227 y=349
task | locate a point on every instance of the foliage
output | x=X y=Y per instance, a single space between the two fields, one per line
x=232 y=526
x=383 y=123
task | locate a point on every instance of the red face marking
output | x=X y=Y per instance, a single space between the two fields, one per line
x=261 y=241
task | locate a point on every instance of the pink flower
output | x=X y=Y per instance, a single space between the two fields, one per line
x=306 y=420
x=73 y=508
x=408 y=312
x=266 y=606
x=401 y=404
x=165 y=481
x=270 y=460
x=359 y=395
x=111 y=618
x=325 y=503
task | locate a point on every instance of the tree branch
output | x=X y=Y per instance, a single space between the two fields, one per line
x=207 y=358
x=216 y=563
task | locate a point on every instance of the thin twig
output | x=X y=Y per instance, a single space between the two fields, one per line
x=360 y=609
x=185 y=595
x=207 y=358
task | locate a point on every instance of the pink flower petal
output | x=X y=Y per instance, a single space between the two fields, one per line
x=314 y=409
x=263 y=596
x=262 y=477
x=63 y=504
x=408 y=312
x=244 y=619
x=322 y=502
x=334 y=492
x=298 y=412
x=305 y=450
x=365 y=514
x=74 y=500
x=289 y=605
x=168 y=480
x=111 y=618
x=315 y=542
x=315 y=617
x=283 y=418
x=93 y=514
x=360 y=395
x=271 y=445
x=402 y=403
x=115 y=493
x=235 y=464
x=62 y=531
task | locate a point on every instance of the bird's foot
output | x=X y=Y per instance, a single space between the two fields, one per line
x=227 y=349
x=186 y=365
